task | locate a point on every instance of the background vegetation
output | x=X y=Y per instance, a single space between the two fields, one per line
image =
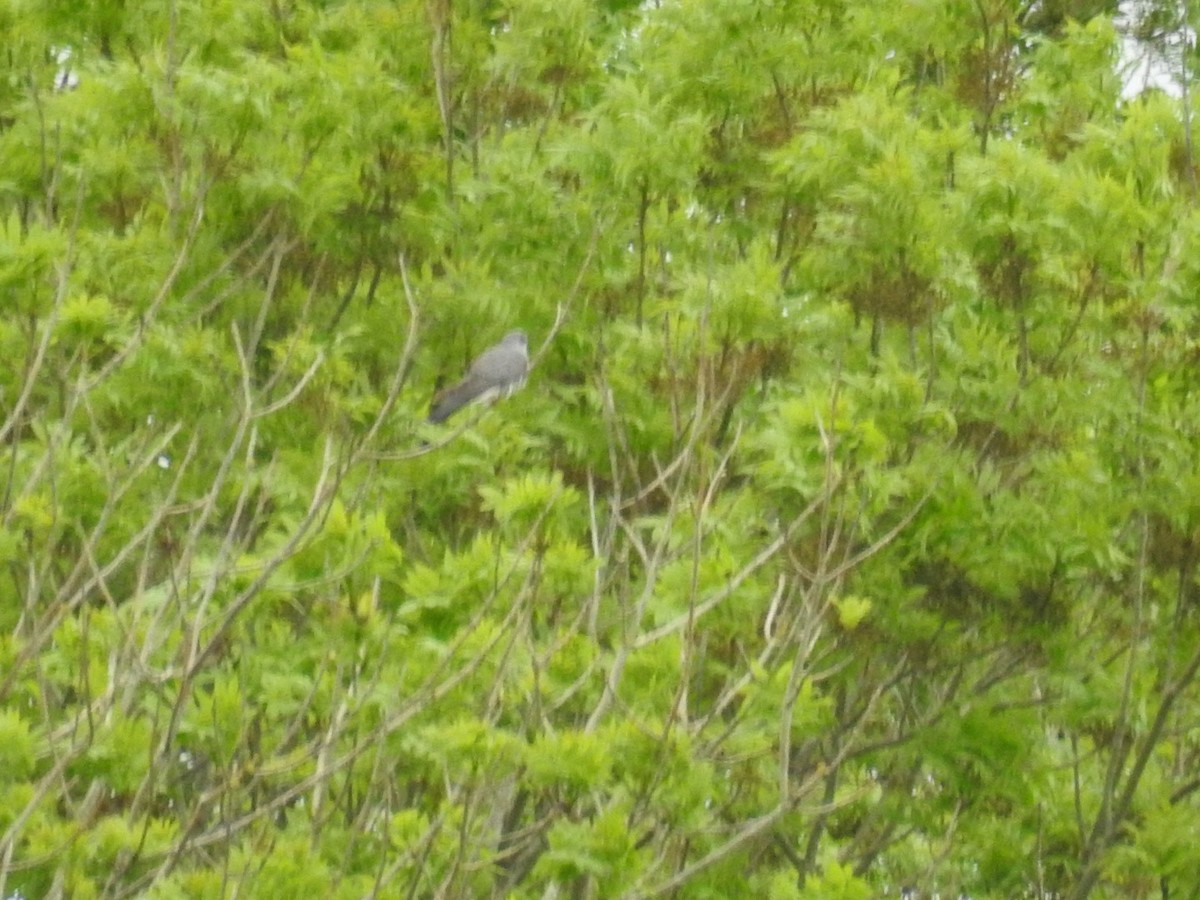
x=844 y=541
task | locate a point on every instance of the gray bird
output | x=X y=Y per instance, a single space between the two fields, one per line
x=497 y=372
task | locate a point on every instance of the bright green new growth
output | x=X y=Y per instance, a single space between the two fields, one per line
x=843 y=541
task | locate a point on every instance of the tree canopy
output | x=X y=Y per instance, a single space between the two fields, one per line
x=843 y=543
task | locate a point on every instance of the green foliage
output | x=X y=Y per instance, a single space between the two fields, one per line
x=19 y=747
x=837 y=881
x=844 y=539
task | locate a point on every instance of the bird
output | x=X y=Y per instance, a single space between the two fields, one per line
x=496 y=373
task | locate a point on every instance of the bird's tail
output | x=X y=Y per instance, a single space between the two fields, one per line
x=451 y=400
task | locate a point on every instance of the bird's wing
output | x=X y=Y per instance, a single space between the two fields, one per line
x=498 y=364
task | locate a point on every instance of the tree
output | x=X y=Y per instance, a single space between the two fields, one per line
x=844 y=540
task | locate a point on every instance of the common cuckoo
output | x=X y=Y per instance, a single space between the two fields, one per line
x=497 y=372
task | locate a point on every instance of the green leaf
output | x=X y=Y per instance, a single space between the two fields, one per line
x=851 y=611
x=18 y=747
